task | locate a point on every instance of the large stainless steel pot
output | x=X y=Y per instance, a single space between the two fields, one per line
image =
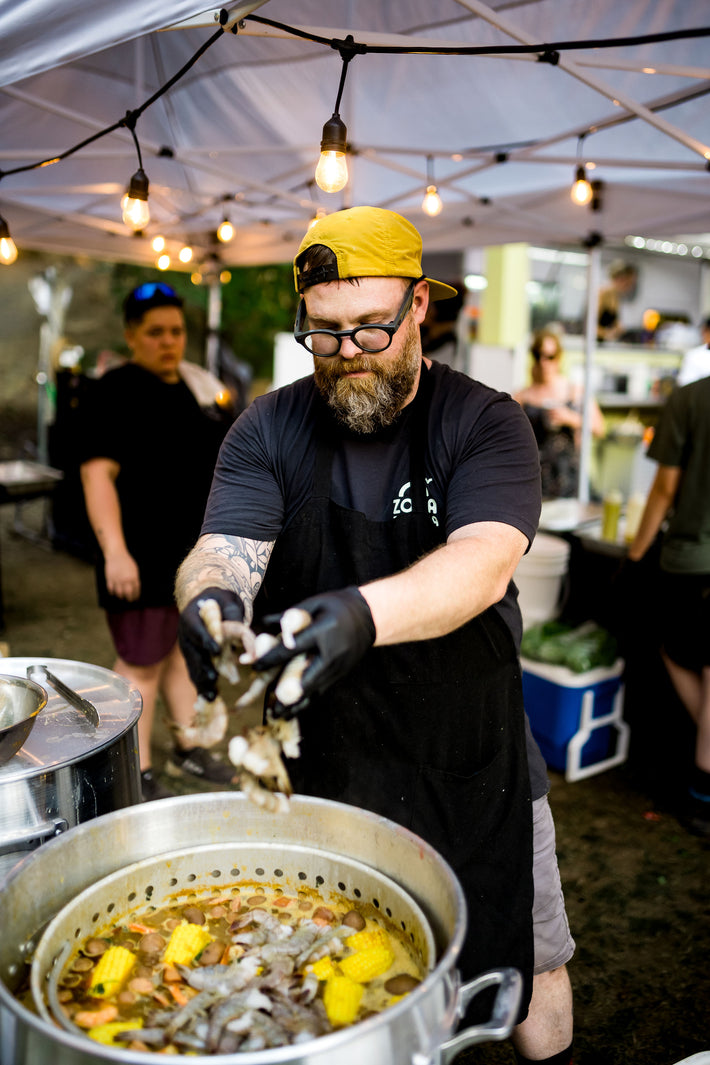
x=68 y=770
x=417 y=1031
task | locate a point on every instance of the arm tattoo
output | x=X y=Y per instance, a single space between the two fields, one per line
x=232 y=562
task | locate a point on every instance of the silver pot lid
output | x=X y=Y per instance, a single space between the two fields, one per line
x=61 y=734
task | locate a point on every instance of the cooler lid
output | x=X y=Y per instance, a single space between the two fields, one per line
x=62 y=735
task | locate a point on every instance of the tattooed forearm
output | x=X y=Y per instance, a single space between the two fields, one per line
x=232 y=562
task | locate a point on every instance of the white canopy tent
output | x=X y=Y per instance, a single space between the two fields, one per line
x=238 y=133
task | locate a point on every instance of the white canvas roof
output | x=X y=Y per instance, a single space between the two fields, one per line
x=239 y=133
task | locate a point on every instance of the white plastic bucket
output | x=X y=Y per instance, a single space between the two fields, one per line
x=539 y=578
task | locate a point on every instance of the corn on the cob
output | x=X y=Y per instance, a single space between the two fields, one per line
x=341 y=998
x=366 y=964
x=185 y=943
x=368 y=938
x=323 y=968
x=111 y=972
x=106 y=1033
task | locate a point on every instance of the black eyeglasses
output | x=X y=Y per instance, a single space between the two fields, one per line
x=148 y=289
x=370 y=338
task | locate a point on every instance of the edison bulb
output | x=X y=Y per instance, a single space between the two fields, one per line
x=158 y=243
x=431 y=204
x=163 y=262
x=225 y=231
x=136 y=213
x=332 y=171
x=8 y=250
x=185 y=254
x=581 y=192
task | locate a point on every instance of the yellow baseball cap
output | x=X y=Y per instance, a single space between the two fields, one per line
x=366 y=242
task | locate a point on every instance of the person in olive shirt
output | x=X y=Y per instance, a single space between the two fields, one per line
x=680 y=495
x=148 y=452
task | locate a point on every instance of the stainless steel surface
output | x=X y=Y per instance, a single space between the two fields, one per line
x=84 y=706
x=19 y=477
x=20 y=702
x=413 y=1032
x=69 y=771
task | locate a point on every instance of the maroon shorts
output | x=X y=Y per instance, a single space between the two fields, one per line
x=144 y=637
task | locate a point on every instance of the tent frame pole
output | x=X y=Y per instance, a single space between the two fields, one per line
x=590 y=347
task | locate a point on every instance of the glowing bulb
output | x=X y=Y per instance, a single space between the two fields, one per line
x=320 y=213
x=158 y=243
x=8 y=248
x=185 y=254
x=225 y=277
x=332 y=170
x=581 y=192
x=135 y=209
x=163 y=262
x=431 y=204
x=196 y=278
x=225 y=231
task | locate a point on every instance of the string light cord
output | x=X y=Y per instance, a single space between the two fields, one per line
x=130 y=118
x=545 y=51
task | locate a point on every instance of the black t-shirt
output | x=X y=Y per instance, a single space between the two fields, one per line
x=481 y=460
x=481 y=463
x=166 y=447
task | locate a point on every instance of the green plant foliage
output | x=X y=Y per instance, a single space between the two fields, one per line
x=258 y=303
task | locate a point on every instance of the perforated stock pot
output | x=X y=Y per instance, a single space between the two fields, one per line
x=324 y=844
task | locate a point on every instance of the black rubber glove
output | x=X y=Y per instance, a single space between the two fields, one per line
x=341 y=632
x=197 y=645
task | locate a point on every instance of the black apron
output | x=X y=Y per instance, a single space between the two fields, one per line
x=429 y=734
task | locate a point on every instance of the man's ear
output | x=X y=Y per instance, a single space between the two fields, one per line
x=420 y=301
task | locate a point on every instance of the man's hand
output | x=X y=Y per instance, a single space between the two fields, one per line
x=198 y=647
x=341 y=632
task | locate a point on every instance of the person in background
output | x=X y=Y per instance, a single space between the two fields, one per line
x=622 y=282
x=696 y=361
x=392 y=499
x=147 y=455
x=680 y=496
x=555 y=410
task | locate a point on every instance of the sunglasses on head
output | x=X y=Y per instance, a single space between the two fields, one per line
x=147 y=290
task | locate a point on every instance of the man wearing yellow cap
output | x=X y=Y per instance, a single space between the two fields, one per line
x=392 y=499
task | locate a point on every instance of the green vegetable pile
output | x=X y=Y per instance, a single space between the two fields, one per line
x=579 y=648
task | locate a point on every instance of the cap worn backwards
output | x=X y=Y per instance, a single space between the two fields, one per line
x=366 y=242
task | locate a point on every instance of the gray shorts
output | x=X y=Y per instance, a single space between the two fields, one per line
x=554 y=945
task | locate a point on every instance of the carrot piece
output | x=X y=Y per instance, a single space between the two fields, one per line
x=134 y=926
x=282 y=901
x=178 y=994
x=162 y=999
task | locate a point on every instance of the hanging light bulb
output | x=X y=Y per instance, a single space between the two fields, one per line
x=136 y=212
x=225 y=277
x=332 y=169
x=8 y=248
x=431 y=204
x=158 y=244
x=196 y=277
x=163 y=262
x=320 y=213
x=581 y=192
x=225 y=232
x=185 y=254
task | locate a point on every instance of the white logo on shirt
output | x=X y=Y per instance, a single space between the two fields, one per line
x=402 y=504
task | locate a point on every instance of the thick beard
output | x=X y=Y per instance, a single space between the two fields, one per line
x=366 y=404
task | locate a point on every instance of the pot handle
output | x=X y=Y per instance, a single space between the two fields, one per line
x=34 y=836
x=500 y=1023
